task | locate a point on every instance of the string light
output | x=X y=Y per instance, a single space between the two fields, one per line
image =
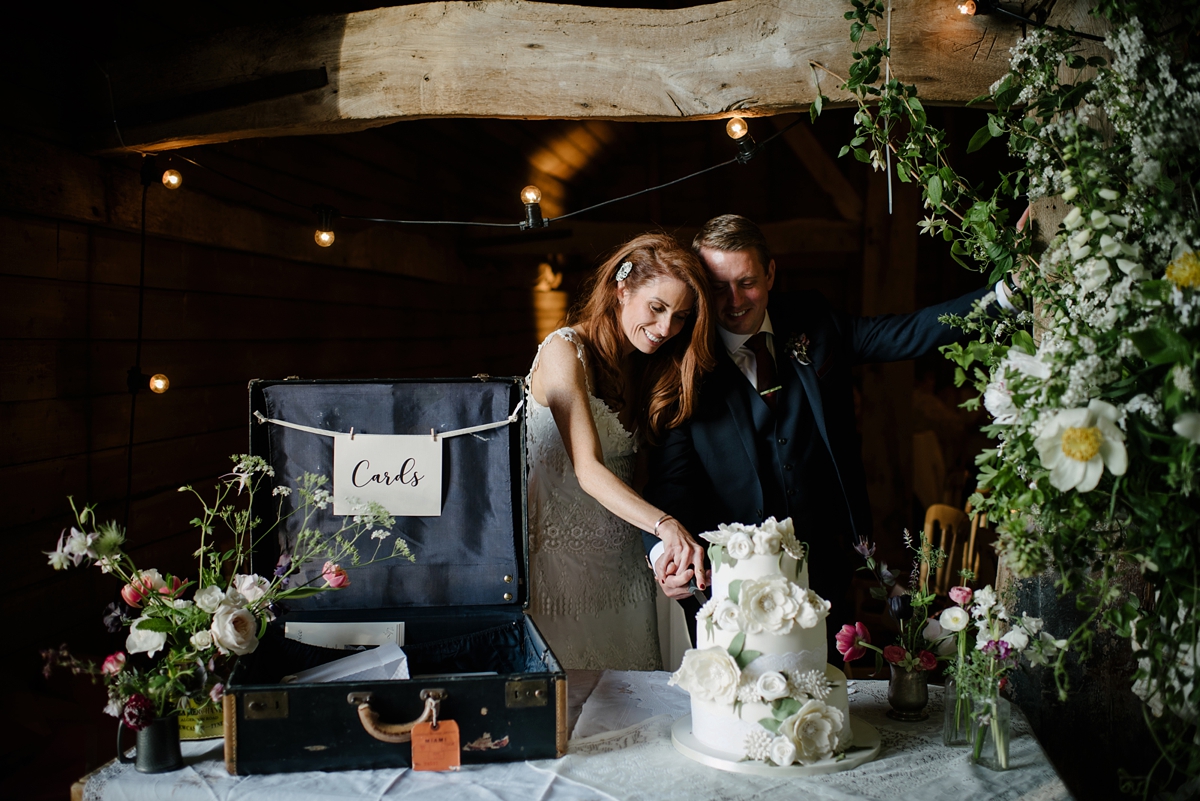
x=324 y=235
x=159 y=383
x=531 y=196
x=967 y=8
x=739 y=131
x=172 y=179
x=971 y=8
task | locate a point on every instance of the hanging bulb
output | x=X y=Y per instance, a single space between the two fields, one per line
x=967 y=8
x=736 y=128
x=531 y=196
x=159 y=383
x=172 y=179
x=324 y=238
x=324 y=235
x=739 y=131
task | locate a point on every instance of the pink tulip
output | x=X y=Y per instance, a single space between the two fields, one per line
x=928 y=661
x=173 y=586
x=113 y=664
x=894 y=654
x=848 y=641
x=961 y=595
x=132 y=594
x=335 y=576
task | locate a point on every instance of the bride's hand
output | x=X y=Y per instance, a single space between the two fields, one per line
x=681 y=550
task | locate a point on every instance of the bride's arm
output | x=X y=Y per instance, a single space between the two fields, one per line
x=559 y=382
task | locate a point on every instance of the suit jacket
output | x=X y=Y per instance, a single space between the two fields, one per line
x=733 y=462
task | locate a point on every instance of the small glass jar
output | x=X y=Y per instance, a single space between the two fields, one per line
x=991 y=729
x=956 y=720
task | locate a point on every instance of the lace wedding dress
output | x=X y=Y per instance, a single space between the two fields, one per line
x=591 y=593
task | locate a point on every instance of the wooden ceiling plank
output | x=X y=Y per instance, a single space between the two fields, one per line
x=516 y=59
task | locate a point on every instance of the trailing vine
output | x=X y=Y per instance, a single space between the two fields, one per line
x=1093 y=389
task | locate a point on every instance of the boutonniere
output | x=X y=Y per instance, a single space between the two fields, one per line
x=797 y=348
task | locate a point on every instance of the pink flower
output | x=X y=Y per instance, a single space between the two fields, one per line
x=132 y=594
x=928 y=661
x=173 y=586
x=848 y=641
x=894 y=654
x=113 y=664
x=139 y=712
x=335 y=576
x=217 y=691
x=961 y=595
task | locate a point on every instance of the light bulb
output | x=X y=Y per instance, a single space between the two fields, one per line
x=159 y=383
x=736 y=128
x=172 y=179
x=967 y=8
x=324 y=238
x=531 y=194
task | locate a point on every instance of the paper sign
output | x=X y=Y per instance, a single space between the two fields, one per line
x=401 y=472
x=344 y=634
x=435 y=749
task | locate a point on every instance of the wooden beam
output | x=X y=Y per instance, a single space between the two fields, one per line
x=595 y=239
x=526 y=60
x=816 y=160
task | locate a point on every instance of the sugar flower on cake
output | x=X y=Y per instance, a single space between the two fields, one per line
x=709 y=674
x=1077 y=444
x=806 y=684
x=740 y=545
x=814 y=730
x=772 y=685
x=770 y=605
x=782 y=751
x=768 y=539
x=727 y=616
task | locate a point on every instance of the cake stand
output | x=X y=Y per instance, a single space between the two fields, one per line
x=865 y=748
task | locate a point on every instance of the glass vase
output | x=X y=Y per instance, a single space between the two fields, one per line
x=956 y=719
x=991 y=727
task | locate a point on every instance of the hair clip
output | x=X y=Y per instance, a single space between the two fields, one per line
x=624 y=270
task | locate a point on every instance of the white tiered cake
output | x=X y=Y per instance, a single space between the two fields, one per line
x=760 y=686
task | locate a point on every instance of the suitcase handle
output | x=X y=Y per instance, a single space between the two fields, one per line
x=393 y=732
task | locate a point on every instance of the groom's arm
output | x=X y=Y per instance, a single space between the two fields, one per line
x=893 y=337
x=674 y=477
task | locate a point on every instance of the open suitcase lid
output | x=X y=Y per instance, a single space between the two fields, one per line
x=474 y=554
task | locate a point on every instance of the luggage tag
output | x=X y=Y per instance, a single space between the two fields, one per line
x=435 y=744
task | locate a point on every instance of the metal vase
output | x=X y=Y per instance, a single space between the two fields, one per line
x=157 y=746
x=908 y=693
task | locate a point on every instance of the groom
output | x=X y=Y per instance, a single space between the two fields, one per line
x=774 y=432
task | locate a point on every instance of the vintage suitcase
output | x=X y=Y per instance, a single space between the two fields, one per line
x=462 y=602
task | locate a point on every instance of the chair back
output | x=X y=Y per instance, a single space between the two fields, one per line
x=949 y=529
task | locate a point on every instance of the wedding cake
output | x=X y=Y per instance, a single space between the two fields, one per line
x=759 y=684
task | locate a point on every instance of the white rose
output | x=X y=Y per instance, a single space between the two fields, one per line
x=234 y=598
x=768 y=539
x=251 y=587
x=209 y=598
x=201 y=640
x=740 y=546
x=953 y=619
x=235 y=630
x=769 y=605
x=771 y=686
x=180 y=603
x=143 y=641
x=813 y=609
x=814 y=730
x=710 y=674
x=1017 y=638
x=728 y=616
x=782 y=751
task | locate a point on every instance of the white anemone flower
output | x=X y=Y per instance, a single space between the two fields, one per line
x=1078 y=444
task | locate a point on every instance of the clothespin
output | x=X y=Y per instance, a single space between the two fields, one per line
x=433 y=433
x=259 y=416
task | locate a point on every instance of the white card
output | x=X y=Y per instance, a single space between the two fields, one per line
x=344 y=635
x=401 y=472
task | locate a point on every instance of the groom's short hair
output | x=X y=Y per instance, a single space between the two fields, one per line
x=733 y=233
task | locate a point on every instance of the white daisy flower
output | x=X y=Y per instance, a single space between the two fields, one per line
x=1077 y=444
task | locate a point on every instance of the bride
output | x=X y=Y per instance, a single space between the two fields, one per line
x=625 y=370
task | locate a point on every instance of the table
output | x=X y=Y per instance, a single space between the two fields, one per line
x=621 y=749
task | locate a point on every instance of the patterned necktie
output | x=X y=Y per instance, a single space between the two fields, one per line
x=768 y=381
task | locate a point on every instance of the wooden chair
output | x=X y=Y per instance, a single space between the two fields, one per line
x=952 y=531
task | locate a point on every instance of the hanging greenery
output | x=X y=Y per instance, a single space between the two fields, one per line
x=1092 y=390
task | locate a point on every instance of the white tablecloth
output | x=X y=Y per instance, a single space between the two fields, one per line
x=621 y=749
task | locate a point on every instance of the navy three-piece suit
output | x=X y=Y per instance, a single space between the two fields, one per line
x=736 y=461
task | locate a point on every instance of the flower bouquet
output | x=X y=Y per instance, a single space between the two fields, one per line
x=980 y=673
x=184 y=633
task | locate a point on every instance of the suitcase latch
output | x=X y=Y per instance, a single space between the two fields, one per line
x=266 y=706
x=520 y=694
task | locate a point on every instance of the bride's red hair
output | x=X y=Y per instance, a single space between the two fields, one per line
x=668 y=381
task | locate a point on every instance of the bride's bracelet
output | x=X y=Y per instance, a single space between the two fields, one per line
x=659 y=522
